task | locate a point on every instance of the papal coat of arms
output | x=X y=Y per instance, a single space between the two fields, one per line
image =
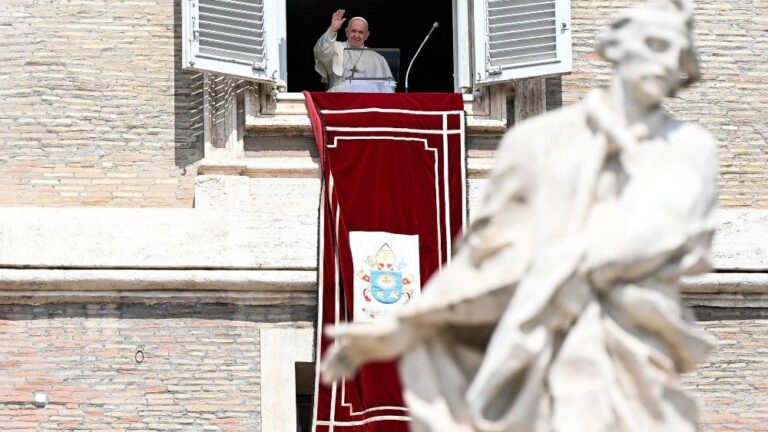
x=386 y=279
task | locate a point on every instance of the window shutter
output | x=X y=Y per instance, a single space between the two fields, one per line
x=516 y=39
x=241 y=38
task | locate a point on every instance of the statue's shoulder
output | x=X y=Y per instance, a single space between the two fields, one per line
x=689 y=146
x=693 y=138
x=692 y=131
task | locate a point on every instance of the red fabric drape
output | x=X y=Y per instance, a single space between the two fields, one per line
x=395 y=163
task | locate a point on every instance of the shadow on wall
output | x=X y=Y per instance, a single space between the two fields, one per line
x=714 y=313
x=188 y=104
x=264 y=314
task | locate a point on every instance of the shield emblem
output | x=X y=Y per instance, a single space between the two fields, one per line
x=386 y=285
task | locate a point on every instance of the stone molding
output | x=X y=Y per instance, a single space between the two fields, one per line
x=743 y=290
x=255 y=287
x=39 y=286
x=299 y=166
x=250 y=298
x=264 y=253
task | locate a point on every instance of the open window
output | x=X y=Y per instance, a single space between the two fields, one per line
x=480 y=42
x=393 y=24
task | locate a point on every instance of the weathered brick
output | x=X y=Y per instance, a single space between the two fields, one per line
x=96 y=87
x=198 y=365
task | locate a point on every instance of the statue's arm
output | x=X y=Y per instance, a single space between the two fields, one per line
x=360 y=343
x=447 y=300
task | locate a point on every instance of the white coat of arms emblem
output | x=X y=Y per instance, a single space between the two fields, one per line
x=386 y=273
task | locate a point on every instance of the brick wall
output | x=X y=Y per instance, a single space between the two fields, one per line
x=93 y=107
x=732 y=384
x=201 y=367
x=732 y=99
x=200 y=371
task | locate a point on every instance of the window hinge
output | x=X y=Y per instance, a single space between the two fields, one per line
x=278 y=84
x=494 y=70
x=195 y=30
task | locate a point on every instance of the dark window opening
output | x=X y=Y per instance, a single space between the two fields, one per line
x=393 y=24
x=305 y=390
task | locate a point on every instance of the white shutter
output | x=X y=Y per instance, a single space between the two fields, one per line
x=516 y=39
x=240 y=38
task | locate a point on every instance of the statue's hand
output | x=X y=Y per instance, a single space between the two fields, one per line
x=337 y=19
x=360 y=343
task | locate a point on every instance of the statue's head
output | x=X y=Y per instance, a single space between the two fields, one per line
x=652 y=49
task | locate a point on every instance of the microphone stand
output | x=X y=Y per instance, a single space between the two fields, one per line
x=408 y=72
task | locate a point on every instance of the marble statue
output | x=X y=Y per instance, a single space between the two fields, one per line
x=560 y=310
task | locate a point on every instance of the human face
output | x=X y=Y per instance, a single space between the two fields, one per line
x=357 y=33
x=650 y=65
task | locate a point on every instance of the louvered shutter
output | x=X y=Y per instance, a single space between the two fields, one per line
x=241 y=38
x=517 y=39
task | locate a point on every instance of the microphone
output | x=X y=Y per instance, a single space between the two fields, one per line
x=435 y=25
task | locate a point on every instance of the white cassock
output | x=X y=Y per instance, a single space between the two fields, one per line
x=336 y=65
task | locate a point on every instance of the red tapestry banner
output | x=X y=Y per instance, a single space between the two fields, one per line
x=394 y=200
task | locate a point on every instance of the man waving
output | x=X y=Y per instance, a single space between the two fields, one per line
x=351 y=66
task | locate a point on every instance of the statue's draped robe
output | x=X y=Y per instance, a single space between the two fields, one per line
x=334 y=64
x=517 y=337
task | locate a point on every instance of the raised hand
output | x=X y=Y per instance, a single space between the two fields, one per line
x=337 y=19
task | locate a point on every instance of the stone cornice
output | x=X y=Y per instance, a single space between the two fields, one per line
x=268 y=287
x=39 y=286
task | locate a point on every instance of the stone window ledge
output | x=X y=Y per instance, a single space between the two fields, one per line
x=287 y=113
x=299 y=166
